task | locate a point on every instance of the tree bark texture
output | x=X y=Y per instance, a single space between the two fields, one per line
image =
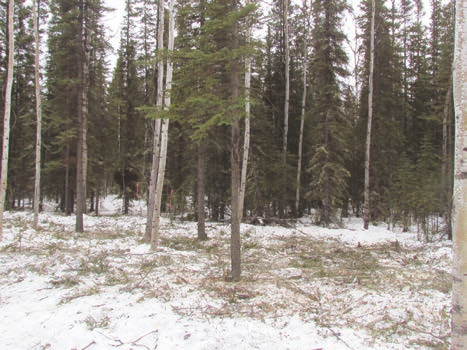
x=37 y=178
x=246 y=140
x=81 y=157
x=157 y=128
x=6 y=119
x=459 y=287
x=366 y=204
x=285 y=4
x=154 y=172
x=302 y=126
x=164 y=132
x=235 y=253
x=200 y=192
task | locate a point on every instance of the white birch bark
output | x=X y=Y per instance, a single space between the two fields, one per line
x=152 y=184
x=6 y=119
x=246 y=141
x=37 y=179
x=157 y=129
x=459 y=292
x=366 y=205
x=164 y=133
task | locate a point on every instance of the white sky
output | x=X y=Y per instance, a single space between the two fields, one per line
x=113 y=22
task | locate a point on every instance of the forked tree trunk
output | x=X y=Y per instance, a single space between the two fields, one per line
x=6 y=119
x=157 y=127
x=235 y=253
x=37 y=178
x=164 y=132
x=459 y=287
x=366 y=204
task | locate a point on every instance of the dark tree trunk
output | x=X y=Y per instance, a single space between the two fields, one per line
x=235 y=161
x=200 y=191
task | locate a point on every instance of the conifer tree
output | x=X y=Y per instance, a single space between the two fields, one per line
x=235 y=160
x=37 y=180
x=125 y=96
x=21 y=157
x=387 y=137
x=307 y=27
x=366 y=204
x=327 y=66
x=84 y=38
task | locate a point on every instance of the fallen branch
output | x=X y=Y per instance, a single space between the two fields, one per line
x=89 y=345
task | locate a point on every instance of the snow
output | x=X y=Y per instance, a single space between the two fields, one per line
x=303 y=287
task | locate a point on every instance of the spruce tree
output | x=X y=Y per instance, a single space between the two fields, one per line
x=125 y=96
x=387 y=140
x=328 y=187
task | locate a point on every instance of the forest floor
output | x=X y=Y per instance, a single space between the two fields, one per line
x=303 y=287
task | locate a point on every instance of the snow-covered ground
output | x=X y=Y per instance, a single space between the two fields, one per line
x=304 y=287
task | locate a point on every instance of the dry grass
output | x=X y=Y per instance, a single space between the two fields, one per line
x=376 y=288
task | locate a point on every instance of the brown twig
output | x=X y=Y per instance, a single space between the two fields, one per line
x=89 y=345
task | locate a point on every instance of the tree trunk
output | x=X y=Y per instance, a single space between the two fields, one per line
x=200 y=192
x=66 y=207
x=246 y=141
x=459 y=288
x=302 y=117
x=164 y=132
x=157 y=128
x=98 y=190
x=152 y=184
x=81 y=157
x=259 y=200
x=6 y=119
x=447 y=163
x=235 y=253
x=366 y=205
x=286 y=104
x=37 y=179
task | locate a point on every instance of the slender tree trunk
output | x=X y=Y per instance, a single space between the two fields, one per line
x=447 y=163
x=235 y=253
x=164 y=132
x=81 y=158
x=327 y=185
x=459 y=287
x=6 y=119
x=157 y=127
x=37 y=179
x=152 y=184
x=200 y=192
x=67 y=178
x=302 y=117
x=98 y=191
x=246 y=141
x=259 y=200
x=366 y=205
x=287 y=98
